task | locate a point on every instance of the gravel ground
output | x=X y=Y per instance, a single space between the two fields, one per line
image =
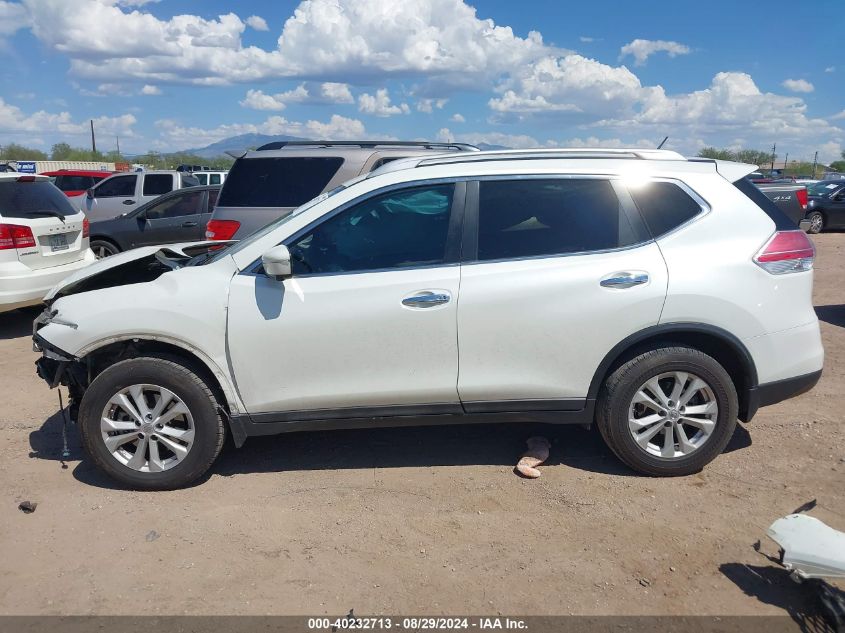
x=426 y=521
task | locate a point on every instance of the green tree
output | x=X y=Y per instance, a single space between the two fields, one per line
x=717 y=154
x=61 y=151
x=838 y=165
x=13 y=151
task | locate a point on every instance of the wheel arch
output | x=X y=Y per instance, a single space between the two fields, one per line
x=110 y=240
x=723 y=346
x=105 y=353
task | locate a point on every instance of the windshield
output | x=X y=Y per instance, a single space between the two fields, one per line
x=242 y=244
x=823 y=188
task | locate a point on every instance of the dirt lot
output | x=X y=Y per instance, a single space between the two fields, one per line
x=418 y=520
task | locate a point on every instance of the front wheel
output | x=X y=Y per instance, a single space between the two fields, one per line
x=816 y=222
x=668 y=412
x=151 y=424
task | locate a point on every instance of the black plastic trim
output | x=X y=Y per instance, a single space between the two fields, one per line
x=781 y=220
x=518 y=406
x=244 y=425
x=773 y=392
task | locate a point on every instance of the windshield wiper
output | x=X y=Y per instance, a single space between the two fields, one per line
x=55 y=214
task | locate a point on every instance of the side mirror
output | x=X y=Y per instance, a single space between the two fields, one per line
x=90 y=194
x=276 y=262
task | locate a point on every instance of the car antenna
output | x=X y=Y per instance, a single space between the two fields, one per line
x=665 y=138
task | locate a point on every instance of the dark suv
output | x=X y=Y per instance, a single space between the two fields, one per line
x=271 y=181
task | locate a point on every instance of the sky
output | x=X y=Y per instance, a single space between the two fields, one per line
x=168 y=75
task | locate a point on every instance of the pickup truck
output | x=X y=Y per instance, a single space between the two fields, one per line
x=120 y=193
x=791 y=198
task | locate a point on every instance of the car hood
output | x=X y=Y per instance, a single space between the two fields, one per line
x=134 y=266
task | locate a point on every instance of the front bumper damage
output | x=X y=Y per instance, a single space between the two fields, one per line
x=57 y=367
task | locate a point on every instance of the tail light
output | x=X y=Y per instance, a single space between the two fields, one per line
x=802 y=198
x=221 y=229
x=86 y=227
x=786 y=252
x=16 y=236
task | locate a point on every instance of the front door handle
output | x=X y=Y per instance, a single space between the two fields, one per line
x=426 y=299
x=188 y=225
x=128 y=202
x=624 y=279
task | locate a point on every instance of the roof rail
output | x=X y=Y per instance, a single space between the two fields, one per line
x=546 y=154
x=463 y=147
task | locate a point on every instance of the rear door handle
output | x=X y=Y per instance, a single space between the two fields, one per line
x=187 y=225
x=128 y=202
x=624 y=279
x=426 y=299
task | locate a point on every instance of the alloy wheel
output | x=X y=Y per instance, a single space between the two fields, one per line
x=147 y=428
x=673 y=414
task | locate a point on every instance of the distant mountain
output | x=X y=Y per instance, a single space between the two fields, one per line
x=246 y=141
x=240 y=142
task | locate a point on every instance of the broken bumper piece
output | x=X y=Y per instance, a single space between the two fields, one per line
x=810 y=548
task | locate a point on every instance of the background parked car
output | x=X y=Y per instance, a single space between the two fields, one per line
x=826 y=205
x=120 y=193
x=270 y=182
x=75 y=182
x=43 y=239
x=179 y=216
x=789 y=197
x=210 y=177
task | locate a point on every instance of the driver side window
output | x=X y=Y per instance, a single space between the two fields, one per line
x=400 y=229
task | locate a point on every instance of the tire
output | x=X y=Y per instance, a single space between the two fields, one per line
x=816 y=222
x=186 y=445
x=104 y=248
x=621 y=400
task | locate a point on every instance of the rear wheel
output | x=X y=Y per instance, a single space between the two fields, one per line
x=816 y=222
x=104 y=248
x=668 y=412
x=151 y=424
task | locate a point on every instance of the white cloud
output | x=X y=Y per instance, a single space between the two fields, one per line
x=442 y=40
x=568 y=84
x=643 y=49
x=257 y=22
x=457 y=118
x=14 y=121
x=149 y=89
x=798 y=85
x=514 y=141
x=838 y=116
x=830 y=69
x=587 y=40
x=312 y=93
x=428 y=105
x=13 y=17
x=379 y=104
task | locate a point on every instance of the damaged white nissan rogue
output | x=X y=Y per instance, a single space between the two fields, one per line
x=658 y=297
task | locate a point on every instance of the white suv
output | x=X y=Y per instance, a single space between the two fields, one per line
x=659 y=297
x=43 y=239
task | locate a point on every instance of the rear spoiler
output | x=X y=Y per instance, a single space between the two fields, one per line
x=732 y=171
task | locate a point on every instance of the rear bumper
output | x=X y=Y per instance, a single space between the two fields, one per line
x=780 y=390
x=26 y=287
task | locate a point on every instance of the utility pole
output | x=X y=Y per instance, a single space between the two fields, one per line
x=117 y=138
x=774 y=147
x=815 y=162
x=785 y=161
x=93 y=142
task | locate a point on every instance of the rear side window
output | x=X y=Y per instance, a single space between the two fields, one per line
x=203 y=178
x=664 y=206
x=157 y=184
x=277 y=182
x=212 y=199
x=119 y=186
x=535 y=217
x=214 y=179
x=176 y=206
x=74 y=183
x=33 y=200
